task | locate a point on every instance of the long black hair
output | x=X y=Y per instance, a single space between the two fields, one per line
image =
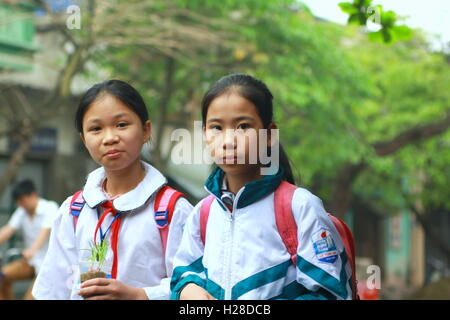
x=259 y=94
x=117 y=88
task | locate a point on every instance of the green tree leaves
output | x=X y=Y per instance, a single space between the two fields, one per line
x=362 y=11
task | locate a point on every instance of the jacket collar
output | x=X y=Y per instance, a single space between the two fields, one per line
x=136 y=198
x=249 y=193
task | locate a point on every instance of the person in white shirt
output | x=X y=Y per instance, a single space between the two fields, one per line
x=34 y=217
x=118 y=202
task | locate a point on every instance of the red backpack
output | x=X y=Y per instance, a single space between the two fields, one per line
x=165 y=201
x=287 y=227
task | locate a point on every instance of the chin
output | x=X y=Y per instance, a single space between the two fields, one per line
x=234 y=169
x=115 y=165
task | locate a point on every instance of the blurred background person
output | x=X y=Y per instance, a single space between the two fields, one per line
x=33 y=217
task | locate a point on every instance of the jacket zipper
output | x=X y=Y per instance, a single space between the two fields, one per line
x=229 y=284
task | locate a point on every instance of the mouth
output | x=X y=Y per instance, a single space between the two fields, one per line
x=231 y=159
x=113 y=154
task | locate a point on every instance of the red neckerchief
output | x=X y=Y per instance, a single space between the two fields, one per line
x=115 y=226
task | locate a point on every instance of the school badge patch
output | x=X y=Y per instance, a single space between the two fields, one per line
x=324 y=246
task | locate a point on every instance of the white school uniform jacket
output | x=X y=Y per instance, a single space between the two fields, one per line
x=244 y=256
x=141 y=260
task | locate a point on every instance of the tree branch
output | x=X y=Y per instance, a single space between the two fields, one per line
x=413 y=135
x=163 y=107
x=342 y=190
x=349 y=171
x=18 y=156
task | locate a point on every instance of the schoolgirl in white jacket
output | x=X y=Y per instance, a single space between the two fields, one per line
x=242 y=255
x=117 y=208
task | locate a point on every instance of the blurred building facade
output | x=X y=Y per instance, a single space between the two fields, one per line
x=394 y=243
x=27 y=60
x=57 y=160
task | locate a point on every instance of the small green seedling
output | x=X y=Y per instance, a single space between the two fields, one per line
x=98 y=253
x=96 y=262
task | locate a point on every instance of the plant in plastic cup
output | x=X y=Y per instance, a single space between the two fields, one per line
x=95 y=265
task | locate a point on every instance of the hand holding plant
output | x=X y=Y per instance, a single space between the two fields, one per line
x=94 y=266
x=110 y=289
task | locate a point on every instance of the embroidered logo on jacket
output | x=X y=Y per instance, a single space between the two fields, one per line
x=324 y=246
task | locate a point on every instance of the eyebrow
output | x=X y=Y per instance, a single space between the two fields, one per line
x=117 y=116
x=234 y=120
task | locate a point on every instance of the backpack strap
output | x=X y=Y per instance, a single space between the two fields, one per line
x=76 y=205
x=204 y=215
x=165 y=201
x=286 y=225
x=349 y=245
x=164 y=208
x=287 y=228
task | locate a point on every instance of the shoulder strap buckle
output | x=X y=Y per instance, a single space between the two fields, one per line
x=162 y=218
x=76 y=205
x=165 y=201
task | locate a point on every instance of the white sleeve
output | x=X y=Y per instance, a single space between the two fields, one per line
x=57 y=273
x=16 y=219
x=322 y=264
x=50 y=215
x=188 y=261
x=182 y=210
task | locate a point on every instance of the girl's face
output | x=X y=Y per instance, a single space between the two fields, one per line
x=113 y=133
x=231 y=131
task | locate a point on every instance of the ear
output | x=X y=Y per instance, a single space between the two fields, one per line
x=147 y=131
x=271 y=140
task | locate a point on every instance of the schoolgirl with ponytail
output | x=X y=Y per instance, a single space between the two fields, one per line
x=232 y=247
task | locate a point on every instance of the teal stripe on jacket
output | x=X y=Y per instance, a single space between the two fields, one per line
x=297 y=291
x=213 y=288
x=260 y=279
x=323 y=278
x=195 y=267
x=191 y=278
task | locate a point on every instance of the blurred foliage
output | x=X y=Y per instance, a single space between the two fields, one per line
x=362 y=11
x=338 y=89
x=410 y=87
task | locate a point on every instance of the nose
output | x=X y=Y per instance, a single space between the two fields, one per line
x=229 y=140
x=110 y=137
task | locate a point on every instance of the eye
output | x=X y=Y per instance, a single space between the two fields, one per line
x=215 y=127
x=95 y=129
x=122 y=124
x=243 y=126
